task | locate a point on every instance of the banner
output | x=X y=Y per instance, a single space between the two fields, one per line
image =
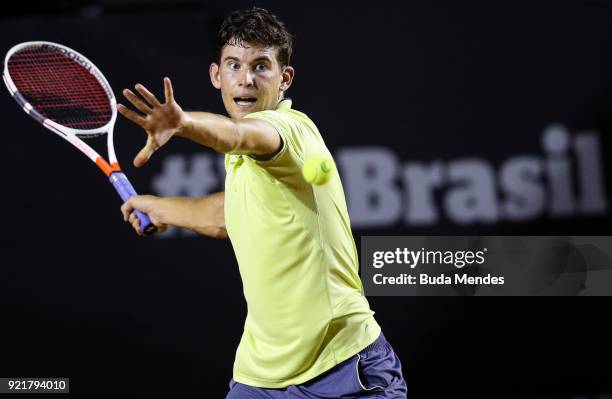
x=486 y=265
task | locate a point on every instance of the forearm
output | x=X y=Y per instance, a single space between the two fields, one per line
x=218 y=132
x=203 y=215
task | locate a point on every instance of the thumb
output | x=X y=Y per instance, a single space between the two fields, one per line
x=144 y=154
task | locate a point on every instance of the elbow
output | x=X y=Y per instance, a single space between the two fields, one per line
x=221 y=233
x=232 y=143
x=213 y=231
x=240 y=143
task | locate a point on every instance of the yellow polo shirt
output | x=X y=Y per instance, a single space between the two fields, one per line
x=297 y=259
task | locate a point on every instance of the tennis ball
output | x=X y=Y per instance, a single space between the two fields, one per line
x=317 y=169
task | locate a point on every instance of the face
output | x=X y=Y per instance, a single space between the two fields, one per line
x=250 y=79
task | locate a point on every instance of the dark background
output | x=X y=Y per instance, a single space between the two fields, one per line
x=82 y=296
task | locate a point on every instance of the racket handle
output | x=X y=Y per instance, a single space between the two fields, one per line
x=125 y=190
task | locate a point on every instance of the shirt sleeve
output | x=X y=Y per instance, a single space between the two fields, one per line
x=289 y=127
x=294 y=136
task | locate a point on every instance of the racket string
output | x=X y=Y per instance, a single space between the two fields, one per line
x=60 y=88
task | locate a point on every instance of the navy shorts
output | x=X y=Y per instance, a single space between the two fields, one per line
x=375 y=372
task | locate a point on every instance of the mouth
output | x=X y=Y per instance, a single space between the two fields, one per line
x=245 y=101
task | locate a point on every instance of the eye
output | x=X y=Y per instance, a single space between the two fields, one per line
x=261 y=67
x=234 y=66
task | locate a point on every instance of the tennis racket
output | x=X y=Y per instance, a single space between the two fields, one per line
x=67 y=94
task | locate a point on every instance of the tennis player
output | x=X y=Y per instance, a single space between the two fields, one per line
x=309 y=331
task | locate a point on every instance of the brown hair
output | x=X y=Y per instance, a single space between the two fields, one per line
x=256 y=26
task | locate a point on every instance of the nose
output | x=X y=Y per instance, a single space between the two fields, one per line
x=246 y=78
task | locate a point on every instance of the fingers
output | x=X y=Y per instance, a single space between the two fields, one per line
x=145 y=154
x=135 y=223
x=126 y=210
x=168 y=91
x=148 y=96
x=131 y=115
x=136 y=202
x=147 y=204
x=137 y=102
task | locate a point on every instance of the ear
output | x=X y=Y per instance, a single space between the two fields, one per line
x=287 y=78
x=215 y=77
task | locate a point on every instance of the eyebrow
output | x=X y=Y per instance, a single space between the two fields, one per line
x=258 y=59
x=261 y=58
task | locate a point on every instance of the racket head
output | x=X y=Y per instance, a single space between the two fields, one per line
x=60 y=88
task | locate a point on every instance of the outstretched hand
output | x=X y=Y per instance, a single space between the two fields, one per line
x=160 y=121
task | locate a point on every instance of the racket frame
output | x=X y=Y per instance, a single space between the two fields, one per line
x=70 y=134
x=75 y=136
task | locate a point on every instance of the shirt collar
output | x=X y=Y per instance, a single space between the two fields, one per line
x=285 y=104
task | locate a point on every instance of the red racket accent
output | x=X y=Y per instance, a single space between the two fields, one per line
x=60 y=88
x=106 y=167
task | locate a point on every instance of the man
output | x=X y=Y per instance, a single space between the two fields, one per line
x=309 y=330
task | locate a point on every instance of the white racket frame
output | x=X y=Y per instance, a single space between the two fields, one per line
x=70 y=134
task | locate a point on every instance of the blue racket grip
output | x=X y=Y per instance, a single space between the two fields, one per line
x=125 y=190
